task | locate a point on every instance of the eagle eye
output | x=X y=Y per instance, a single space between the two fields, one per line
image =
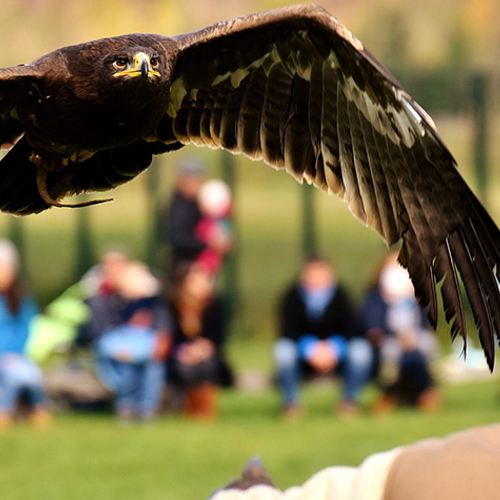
x=120 y=62
x=155 y=61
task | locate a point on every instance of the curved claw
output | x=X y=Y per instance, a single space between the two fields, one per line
x=41 y=182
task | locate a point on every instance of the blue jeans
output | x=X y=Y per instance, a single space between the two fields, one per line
x=137 y=386
x=19 y=375
x=355 y=368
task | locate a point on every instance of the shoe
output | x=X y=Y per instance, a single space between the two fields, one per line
x=384 y=405
x=292 y=411
x=41 y=418
x=6 y=421
x=126 y=415
x=202 y=402
x=430 y=401
x=347 y=409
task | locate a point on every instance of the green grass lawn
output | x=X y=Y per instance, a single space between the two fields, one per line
x=89 y=456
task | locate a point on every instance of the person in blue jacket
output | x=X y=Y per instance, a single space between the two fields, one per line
x=19 y=375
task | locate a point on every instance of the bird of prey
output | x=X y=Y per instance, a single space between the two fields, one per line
x=292 y=87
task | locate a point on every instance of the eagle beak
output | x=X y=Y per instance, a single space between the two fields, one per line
x=142 y=67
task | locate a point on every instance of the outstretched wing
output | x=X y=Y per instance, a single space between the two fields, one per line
x=18 y=91
x=295 y=88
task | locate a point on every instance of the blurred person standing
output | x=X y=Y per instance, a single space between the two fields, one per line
x=187 y=231
x=19 y=375
x=183 y=214
x=197 y=361
x=403 y=345
x=214 y=228
x=317 y=335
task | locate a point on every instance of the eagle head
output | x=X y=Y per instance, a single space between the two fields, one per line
x=134 y=62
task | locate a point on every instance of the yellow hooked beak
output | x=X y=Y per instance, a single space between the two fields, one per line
x=142 y=67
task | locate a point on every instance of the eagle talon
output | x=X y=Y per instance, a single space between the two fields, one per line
x=41 y=182
x=36 y=158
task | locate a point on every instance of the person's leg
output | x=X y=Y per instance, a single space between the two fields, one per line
x=428 y=345
x=32 y=382
x=390 y=361
x=127 y=391
x=108 y=372
x=357 y=368
x=199 y=383
x=286 y=355
x=151 y=388
x=17 y=374
x=40 y=416
x=414 y=377
x=11 y=388
x=185 y=375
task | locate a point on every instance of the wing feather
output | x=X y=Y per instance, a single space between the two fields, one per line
x=363 y=171
x=381 y=185
x=251 y=113
x=450 y=290
x=346 y=158
x=278 y=91
x=475 y=293
x=329 y=140
x=295 y=131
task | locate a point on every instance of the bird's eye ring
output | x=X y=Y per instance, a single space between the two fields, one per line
x=120 y=62
x=155 y=61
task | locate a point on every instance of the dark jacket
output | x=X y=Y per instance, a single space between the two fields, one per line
x=374 y=314
x=213 y=327
x=184 y=215
x=337 y=319
x=110 y=311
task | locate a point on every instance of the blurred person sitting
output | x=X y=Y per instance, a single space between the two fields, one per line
x=214 y=229
x=317 y=334
x=102 y=278
x=197 y=362
x=130 y=334
x=58 y=327
x=397 y=328
x=19 y=375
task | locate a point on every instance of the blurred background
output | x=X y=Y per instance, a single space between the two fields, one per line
x=446 y=54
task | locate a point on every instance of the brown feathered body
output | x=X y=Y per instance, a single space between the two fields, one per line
x=291 y=87
x=82 y=107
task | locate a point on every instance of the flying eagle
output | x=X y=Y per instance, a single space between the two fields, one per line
x=292 y=87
